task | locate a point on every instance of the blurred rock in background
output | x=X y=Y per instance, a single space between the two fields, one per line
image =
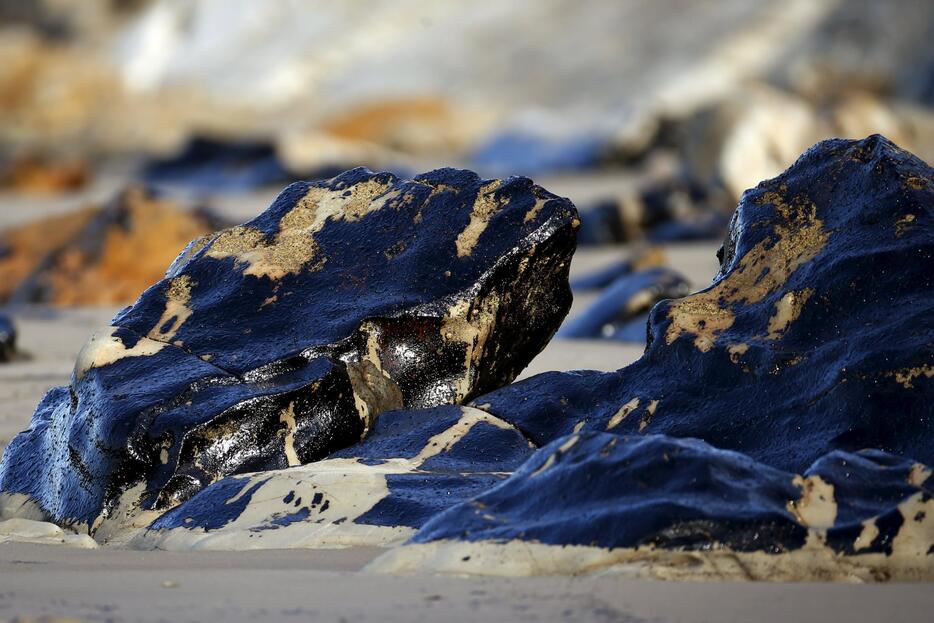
x=422 y=76
x=101 y=255
x=7 y=339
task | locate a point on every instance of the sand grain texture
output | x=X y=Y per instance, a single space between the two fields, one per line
x=279 y=585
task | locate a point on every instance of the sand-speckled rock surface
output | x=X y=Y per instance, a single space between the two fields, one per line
x=277 y=342
x=864 y=515
x=413 y=465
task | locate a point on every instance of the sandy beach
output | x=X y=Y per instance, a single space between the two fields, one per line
x=327 y=585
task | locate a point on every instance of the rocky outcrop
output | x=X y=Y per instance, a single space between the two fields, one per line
x=277 y=342
x=7 y=339
x=101 y=255
x=815 y=335
x=777 y=427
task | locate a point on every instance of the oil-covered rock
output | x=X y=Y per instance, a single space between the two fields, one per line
x=277 y=342
x=681 y=506
x=815 y=336
x=412 y=466
x=621 y=310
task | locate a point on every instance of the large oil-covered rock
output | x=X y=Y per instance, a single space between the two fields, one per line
x=277 y=342
x=816 y=335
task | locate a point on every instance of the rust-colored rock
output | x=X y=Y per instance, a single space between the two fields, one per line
x=97 y=256
x=34 y=174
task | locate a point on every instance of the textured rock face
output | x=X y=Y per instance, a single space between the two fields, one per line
x=97 y=256
x=7 y=339
x=277 y=342
x=815 y=336
x=778 y=425
x=655 y=490
x=649 y=494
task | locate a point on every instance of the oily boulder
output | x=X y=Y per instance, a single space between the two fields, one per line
x=277 y=342
x=101 y=255
x=7 y=339
x=685 y=507
x=816 y=335
x=412 y=466
x=621 y=310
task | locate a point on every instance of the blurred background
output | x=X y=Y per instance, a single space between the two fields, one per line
x=129 y=127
